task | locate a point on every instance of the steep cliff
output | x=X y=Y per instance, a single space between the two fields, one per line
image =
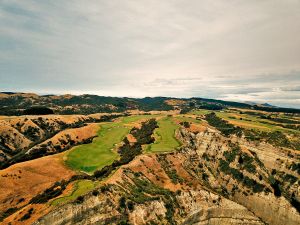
x=212 y=179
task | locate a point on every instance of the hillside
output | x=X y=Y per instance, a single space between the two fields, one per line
x=30 y=137
x=230 y=166
x=29 y=103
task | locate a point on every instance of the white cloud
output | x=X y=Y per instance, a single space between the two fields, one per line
x=220 y=49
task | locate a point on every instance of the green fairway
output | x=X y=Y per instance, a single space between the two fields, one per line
x=80 y=188
x=99 y=153
x=165 y=140
x=187 y=118
x=200 y=112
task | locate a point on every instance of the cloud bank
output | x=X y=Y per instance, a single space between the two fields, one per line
x=233 y=50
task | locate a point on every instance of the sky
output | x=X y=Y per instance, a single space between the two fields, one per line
x=231 y=49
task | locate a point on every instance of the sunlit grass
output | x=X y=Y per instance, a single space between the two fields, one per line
x=81 y=187
x=245 y=120
x=200 y=112
x=187 y=118
x=165 y=140
x=253 y=122
x=99 y=153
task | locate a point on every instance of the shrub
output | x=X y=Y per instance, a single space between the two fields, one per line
x=52 y=192
x=104 y=188
x=174 y=176
x=27 y=215
x=205 y=176
x=7 y=213
x=295 y=167
x=185 y=124
x=226 y=128
x=290 y=178
x=123 y=222
x=79 y=199
x=38 y=111
x=95 y=192
x=230 y=155
x=246 y=161
x=276 y=187
x=122 y=202
x=130 y=205
x=275 y=138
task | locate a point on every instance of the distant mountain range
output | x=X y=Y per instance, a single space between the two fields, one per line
x=261 y=104
x=12 y=103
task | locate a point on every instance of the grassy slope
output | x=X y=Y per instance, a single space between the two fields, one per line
x=164 y=136
x=99 y=153
x=187 y=118
x=80 y=188
x=200 y=112
x=248 y=121
x=254 y=122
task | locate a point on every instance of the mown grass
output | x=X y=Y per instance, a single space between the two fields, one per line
x=187 y=118
x=80 y=188
x=99 y=153
x=246 y=121
x=253 y=122
x=200 y=112
x=165 y=140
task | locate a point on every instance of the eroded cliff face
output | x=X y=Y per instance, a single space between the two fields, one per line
x=210 y=180
x=247 y=173
x=138 y=198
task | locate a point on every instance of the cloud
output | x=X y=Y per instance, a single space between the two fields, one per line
x=216 y=49
x=293 y=88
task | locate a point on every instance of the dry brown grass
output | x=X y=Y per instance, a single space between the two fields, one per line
x=174 y=102
x=25 y=95
x=76 y=134
x=65 y=96
x=131 y=138
x=13 y=136
x=27 y=179
x=38 y=211
x=197 y=128
x=246 y=124
x=151 y=168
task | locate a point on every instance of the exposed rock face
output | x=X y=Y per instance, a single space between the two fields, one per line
x=211 y=180
x=196 y=206
x=254 y=186
x=226 y=213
